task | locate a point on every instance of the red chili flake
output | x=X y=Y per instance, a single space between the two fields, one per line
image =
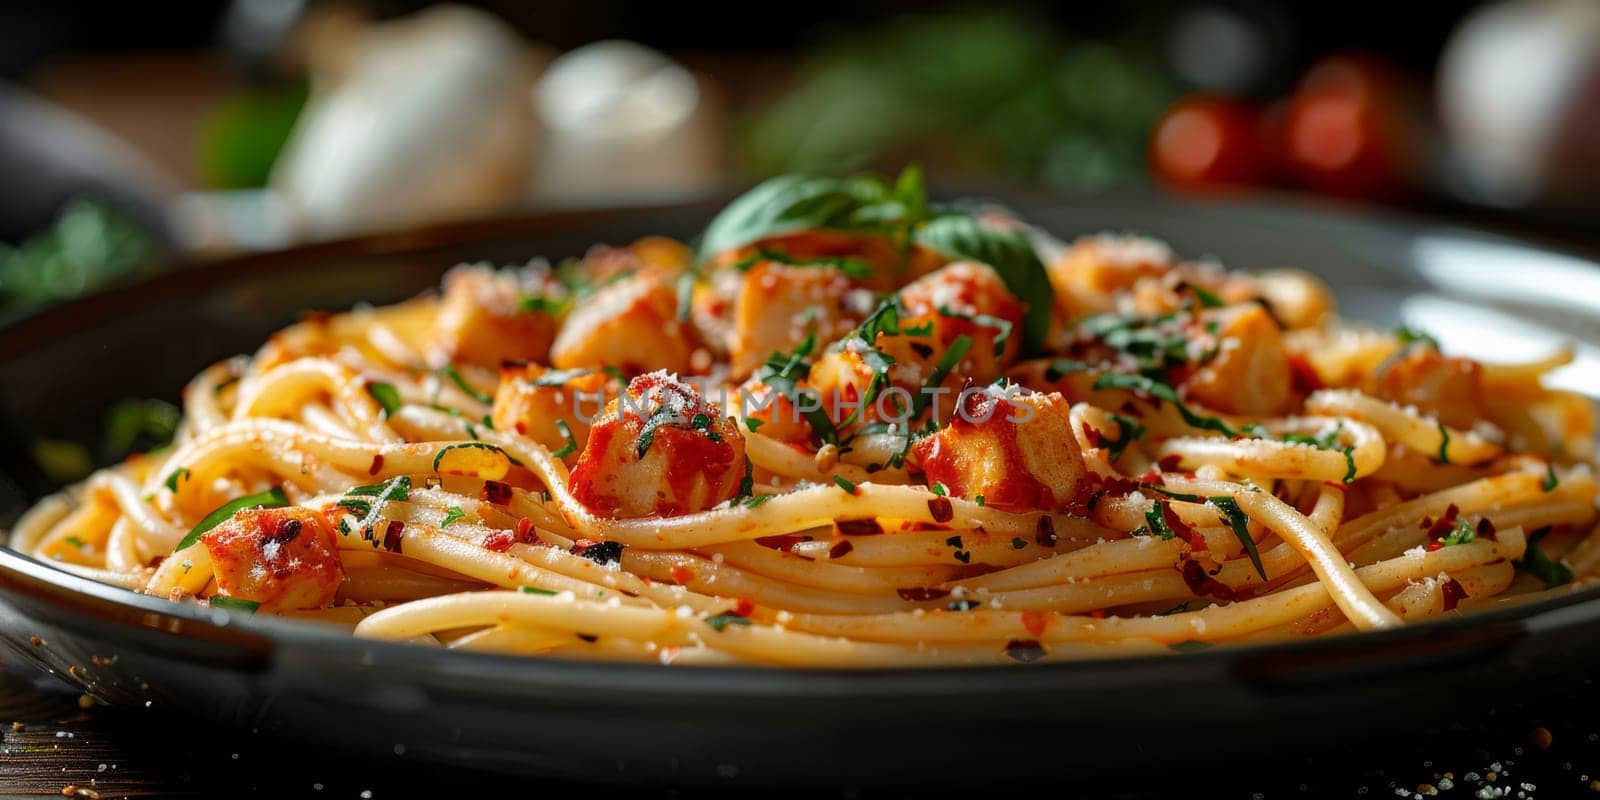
x=1195 y=577
x=1098 y=613
x=1035 y=622
x=784 y=542
x=1445 y=524
x=316 y=317
x=1025 y=650
x=377 y=464
x=1454 y=593
x=589 y=637
x=840 y=549
x=393 y=535
x=1151 y=477
x=859 y=527
x=940 y=509
x=1044 y=533
x=1486 y=530
x=1427 y=522
x=522 y=428
x=681 y=574
x=498 y=541
x=1181 y=528
x=1169 y=463
x=495 y=492
x=744 y=606
x=1092 y=435
x=525 y=532
x=920 y=594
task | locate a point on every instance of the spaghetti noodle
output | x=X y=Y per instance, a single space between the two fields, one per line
x=852 y=429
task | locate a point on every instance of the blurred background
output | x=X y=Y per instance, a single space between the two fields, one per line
x=131 y=137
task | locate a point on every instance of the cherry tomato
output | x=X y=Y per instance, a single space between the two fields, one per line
x=1345 y=132
x=1208 y=142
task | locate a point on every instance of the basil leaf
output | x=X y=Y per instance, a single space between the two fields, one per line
x=788 y=204
x=1009 y=253
x=467 y=388
x=387 y=396
x=234 y=604
x=1162 y=391
x=1239 y=522
x=566 y=433
x=723 y=620
x=271 y=498
x=1534 y=561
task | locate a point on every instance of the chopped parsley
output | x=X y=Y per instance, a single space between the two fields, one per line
x=466 y=388
x=756 y=501
x=1001 y=326
x=566 y=433
x=1240 y=525
x=235 y=604
x=76 y=542
x=1444 y=443
x=753 y=423
x=978 y=499
x=1462 y=533
x=1161 y=391
x=438 y=458
x=179 y=474
x=387 y=396
x=783 y=373
x=536 y=590
x=1018 y=543
x=952 y=357
x=1062 y=366
x=271 y=498
x=1535 y=562
x=455 y=514
x=962 y=605
x=725 y=619
x=1551 y=480
x=1408 y=336
x=1129 y=431
x=938 y=489
x=845 y=484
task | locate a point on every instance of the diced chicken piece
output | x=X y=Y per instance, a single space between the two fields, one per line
x=959 y=300
x=1250 y=373
x=1297 y=298
x=660 y=450
x=1087 y=276
x=531 y=399
x=631 y=323
x=490 y=316
x=282 y=558
x=1013 y=448
x=1448 y=387
x=778 y=305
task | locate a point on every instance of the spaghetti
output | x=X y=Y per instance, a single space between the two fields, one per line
x=853 y=429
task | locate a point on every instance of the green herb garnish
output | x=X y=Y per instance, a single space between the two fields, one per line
x=453 y=515
x=234 y=604
x=387 y=396
x=566 y=433
x=1535 y=562
x=725 y=619
x=1240 y=524
x=181 y=473
x=272 y=498
x=466 y=388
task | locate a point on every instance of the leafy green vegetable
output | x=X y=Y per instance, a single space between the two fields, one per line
x=272 y=498
x=91 y=244
x=149 y=424
x=566 y=433
x=1129 y=431
x=387 y=396
x=177 y=475
x=467 y=388
x=845 y=484
x=1551 y=480
x=725 y=619
x=234 y=604
x=1239 y=522
x=455 y=514
x=1010 y=254
x=1444 y=443
x=1535 y=562
x=1161 y=391
x=536 y=590
x=1410 y=336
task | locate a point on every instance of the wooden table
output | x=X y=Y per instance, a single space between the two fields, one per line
x=53 y=741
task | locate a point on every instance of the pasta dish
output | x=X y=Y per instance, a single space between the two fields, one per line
x=849 y=427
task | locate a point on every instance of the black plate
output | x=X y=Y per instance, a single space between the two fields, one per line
x=60 y=369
